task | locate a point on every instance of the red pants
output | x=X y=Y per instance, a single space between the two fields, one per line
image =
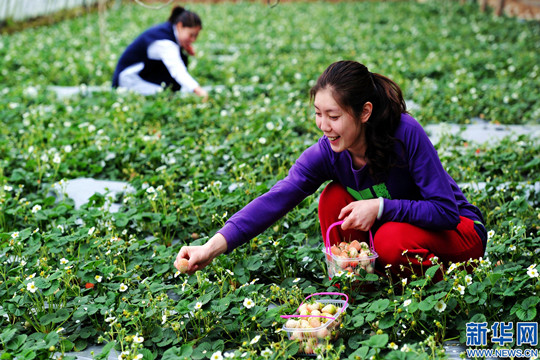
x=407 y=248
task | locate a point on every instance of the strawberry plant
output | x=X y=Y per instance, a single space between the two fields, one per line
x=75 y=276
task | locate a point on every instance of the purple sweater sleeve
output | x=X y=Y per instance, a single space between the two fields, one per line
x=304 y=178
x=420 y=193
x=437 y=207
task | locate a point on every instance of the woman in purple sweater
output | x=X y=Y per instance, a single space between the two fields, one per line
x=385 y=176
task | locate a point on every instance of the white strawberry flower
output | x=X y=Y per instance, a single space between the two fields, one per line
x=31 y=286
x=440 y=306
x=248 y=303
x=138 y=339
x=255 y=340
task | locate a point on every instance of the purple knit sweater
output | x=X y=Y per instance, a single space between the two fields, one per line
x=420 y=192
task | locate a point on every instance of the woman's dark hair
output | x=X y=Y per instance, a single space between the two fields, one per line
x=352 y=85
x=186 y=17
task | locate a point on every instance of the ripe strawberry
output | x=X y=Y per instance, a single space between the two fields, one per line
x=313 y=307
x=323 y=333
x=314 y=322
x=355 y=244
x=308 y=349
x=183 y=265
x=364 y=259
x=304 y=324
x=291 y=324
x=335 y=250
x=330 y=308
x=364 y=246
x=309 y=345
x=342 y=263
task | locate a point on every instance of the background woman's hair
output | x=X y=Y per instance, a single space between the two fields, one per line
x=186 y=17
x=352 y=85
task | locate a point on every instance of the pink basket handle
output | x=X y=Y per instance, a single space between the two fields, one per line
x=329 y=293
x=309 y=316
x=320 y=293
x=327 y=239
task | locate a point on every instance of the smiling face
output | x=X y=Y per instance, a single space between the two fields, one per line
x=343 y=130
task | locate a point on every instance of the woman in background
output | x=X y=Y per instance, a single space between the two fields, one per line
x=157 y=58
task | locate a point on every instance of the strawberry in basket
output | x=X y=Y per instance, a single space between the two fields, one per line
x=349 y=257
x=315 y=321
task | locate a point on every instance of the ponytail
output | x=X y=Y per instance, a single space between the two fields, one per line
x=388 y=105
x=388 y=102
x=390 y=95
x=186 y=17
x=175 y=14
